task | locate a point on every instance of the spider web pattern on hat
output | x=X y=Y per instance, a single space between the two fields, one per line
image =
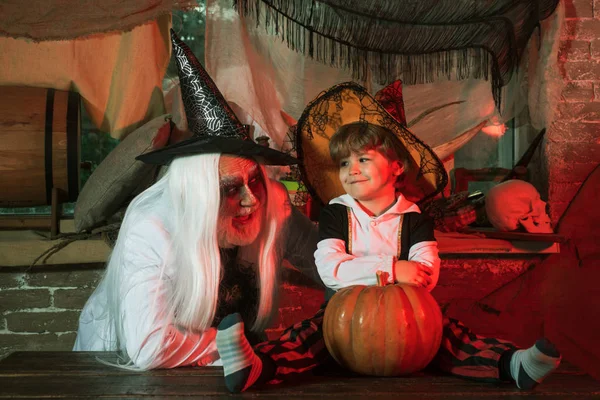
x=207 y=112
x=215 y=127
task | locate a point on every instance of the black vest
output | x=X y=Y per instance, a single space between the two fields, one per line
x=333 y=224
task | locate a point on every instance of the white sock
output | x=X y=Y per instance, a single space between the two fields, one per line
x=529 y=367
x=241 y=365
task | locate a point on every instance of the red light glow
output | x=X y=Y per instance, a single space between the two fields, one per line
x=494 y=130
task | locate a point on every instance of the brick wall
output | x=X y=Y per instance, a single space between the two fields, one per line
x=39 y=309
x=572 y=147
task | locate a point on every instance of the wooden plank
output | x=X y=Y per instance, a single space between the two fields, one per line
x=79 y=363
x=21 y=248
x=159 y=385
x=28 y=222
x=79 y=375
x=20 y=222
x=461 y=243
x=520 y=236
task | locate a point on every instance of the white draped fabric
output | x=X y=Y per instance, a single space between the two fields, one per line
x=258 y=72
x=113 y=52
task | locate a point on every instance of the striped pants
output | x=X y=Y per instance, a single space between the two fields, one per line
x=301 y=348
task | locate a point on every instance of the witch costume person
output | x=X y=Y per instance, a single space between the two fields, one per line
x=355 y=246
x=205 y=241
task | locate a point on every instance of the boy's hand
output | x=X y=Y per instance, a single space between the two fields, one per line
x=412 y=273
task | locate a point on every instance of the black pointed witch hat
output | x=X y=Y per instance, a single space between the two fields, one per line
x=214 y=126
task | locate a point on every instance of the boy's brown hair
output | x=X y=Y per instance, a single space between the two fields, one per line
x=363 y=136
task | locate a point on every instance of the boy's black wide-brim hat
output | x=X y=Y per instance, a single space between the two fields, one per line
x=214 y=126
x=346 y=103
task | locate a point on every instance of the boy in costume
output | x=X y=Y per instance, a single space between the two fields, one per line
x=349 y=143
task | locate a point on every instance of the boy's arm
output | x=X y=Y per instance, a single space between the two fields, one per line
x=424 y=248
x=337 y=268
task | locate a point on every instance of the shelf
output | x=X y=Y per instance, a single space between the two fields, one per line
x=513 y=243
x=21 y=247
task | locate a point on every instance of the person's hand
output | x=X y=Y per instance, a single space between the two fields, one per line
x=412 y=273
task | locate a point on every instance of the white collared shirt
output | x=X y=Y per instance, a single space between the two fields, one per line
x=374 y=247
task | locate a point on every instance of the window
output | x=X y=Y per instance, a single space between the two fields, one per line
x=497 y=148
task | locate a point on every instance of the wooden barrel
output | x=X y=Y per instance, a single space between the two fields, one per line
x=39 y=145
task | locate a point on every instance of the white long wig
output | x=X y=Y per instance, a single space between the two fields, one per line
x=186 y=201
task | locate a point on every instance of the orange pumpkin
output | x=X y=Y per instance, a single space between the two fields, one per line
x=383 y=330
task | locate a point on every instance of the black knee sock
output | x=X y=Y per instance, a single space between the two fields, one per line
x=504 y=365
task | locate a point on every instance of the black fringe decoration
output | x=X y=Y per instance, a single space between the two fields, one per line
x=416 y=41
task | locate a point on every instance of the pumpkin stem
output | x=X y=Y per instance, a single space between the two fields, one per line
x=382 y=278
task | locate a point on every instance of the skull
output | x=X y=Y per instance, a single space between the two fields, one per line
x=515 y=203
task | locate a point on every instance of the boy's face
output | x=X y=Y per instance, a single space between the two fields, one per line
x=368 y=175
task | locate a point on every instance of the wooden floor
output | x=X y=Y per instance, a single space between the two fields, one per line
x=80 y=375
